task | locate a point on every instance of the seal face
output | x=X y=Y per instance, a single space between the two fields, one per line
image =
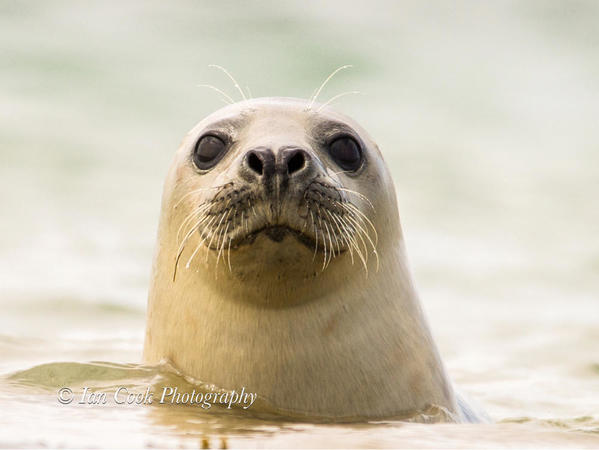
x=280 y=266
x=276 y=187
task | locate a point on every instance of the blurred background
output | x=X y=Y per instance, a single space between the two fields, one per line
x=487 y=114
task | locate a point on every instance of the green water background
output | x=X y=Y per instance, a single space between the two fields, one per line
x=487 y=114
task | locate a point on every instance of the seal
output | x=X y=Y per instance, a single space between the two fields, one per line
x=280 y=266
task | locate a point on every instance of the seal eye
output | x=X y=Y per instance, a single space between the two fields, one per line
x=346 y=153
x=208 y=151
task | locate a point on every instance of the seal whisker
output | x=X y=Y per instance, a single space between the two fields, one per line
x=229 y=255
x=346 y=239
x=331 y=249
x=228 y=98
x=359 y=234
x=222 y=246
x=194 y=253
x=222 y=216
x=223 y=235
x=362 y=196
x=359 y=253
x=342 y=234
x=217 y=247
x=217 y=232
x=315 y=235
x=204 y=237
x=193 y=215
x=209 y=233
x=331 y=100
x=204 y=219
x=334 y=235
x=324 y=83
x=349 y=205
x=182 y=247
x=195 y=228
x=195 y=191
x=336 y=238
x=367 y=235
x=363 y=232
x=331 y=235
x=324 y=243
x=226 y=72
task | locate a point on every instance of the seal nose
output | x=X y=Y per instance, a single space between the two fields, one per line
x=261 y=161
x=289 y=163
x=293 y=161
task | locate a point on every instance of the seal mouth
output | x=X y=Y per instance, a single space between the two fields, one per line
x=321 y=218
x=276 y=233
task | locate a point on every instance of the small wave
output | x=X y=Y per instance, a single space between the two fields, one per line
x=585 y=424
x=100 y=376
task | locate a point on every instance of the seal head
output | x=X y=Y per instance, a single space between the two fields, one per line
x=280 y=267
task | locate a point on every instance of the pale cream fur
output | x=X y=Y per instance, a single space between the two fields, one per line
x=343 y=342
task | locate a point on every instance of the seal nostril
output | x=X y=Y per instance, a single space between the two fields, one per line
x=255 y=163
x=296 y=163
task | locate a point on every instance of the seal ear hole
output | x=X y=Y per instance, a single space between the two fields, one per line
x=255 y=163
x=296 y=163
